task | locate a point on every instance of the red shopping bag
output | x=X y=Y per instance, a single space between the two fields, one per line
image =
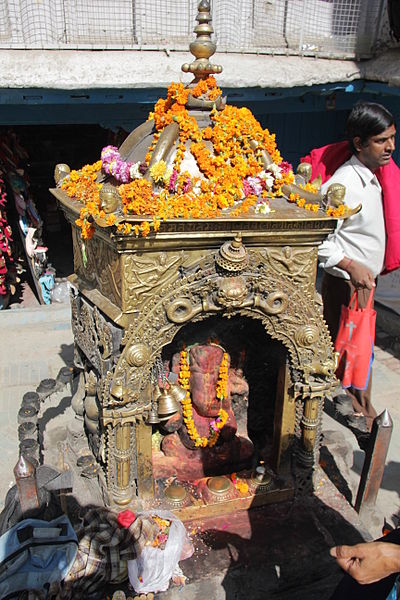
x=355 y=343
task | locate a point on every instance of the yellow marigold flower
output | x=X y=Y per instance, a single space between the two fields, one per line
x=242 y=487
x=157 y=171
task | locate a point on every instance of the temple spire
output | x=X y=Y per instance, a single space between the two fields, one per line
x=202 y=48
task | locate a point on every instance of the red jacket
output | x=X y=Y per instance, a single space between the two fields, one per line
x=326 y=160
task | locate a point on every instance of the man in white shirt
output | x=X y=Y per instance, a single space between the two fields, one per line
x=353 y=255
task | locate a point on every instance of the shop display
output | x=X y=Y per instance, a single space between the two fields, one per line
x=15 y=185
x=7 y=267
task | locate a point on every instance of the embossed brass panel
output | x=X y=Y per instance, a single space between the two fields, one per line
x=150 y=291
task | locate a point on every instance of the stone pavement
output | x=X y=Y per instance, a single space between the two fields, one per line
x=385 y=395
x=37 y=341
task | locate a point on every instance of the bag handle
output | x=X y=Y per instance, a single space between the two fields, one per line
x=29 y=531
x=354 y=299
x=370 y=300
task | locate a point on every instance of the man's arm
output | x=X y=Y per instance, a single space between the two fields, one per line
x=368 y=562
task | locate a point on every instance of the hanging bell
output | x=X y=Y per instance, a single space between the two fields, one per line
x=177 y=392
x=167 y=405
x=153 y=416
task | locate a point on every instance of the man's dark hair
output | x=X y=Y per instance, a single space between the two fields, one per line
x=365 y=120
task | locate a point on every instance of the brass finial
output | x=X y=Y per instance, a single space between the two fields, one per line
x=202 y=48
x=232 y=256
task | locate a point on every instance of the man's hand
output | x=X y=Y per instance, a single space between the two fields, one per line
x=368 y=562
x=360 y=276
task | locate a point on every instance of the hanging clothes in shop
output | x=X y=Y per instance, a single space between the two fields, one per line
x=7 y=267
x=29 y=225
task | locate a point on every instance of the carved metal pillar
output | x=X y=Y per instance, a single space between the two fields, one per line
x=122 y=461
x=284 y=420
x=309 y=431
x=311 y=423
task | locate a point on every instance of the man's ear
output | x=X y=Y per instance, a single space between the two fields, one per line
x=357 y=143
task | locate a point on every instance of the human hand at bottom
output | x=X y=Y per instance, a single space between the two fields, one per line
x=368 y=562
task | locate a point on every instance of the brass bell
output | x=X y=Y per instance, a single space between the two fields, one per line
x=153 y=416
x=167 y=405
x=177 y=392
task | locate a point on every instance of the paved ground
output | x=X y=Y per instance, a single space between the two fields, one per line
x=37 y=342
x=385 y=394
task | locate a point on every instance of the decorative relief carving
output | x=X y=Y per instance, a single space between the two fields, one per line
x=273 y=285
x=84 y=330
x=137 y=355
x=182 y=310
x=98 y=339
x=103 y=388
x=274 y=289
x=100 y=268
x=295 y=262
x=109 y=273
x=145 y=275
x=307 y=335
x=231 y=292
x=104 y=334
x=250 y=225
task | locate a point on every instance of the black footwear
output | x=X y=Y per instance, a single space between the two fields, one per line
x=357 y=422
x=343 y=405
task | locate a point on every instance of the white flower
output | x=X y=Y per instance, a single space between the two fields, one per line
x=197 y=188
x=267 y=177
x=275 y=169
x=134 y=171
x=255 y=185
x=263 y=208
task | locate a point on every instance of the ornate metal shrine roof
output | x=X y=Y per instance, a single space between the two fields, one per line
x=196 y=159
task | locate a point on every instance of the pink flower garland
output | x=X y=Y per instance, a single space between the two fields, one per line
x=113 y=165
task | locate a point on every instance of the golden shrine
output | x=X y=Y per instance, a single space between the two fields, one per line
x=203 y=356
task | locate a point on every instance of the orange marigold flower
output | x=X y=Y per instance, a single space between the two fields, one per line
x=110 y=220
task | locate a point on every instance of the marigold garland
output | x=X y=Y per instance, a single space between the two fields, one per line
x=221 y=392
x=302 y=203
x=232 y=178
x=240 y=484
x=163 y=532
